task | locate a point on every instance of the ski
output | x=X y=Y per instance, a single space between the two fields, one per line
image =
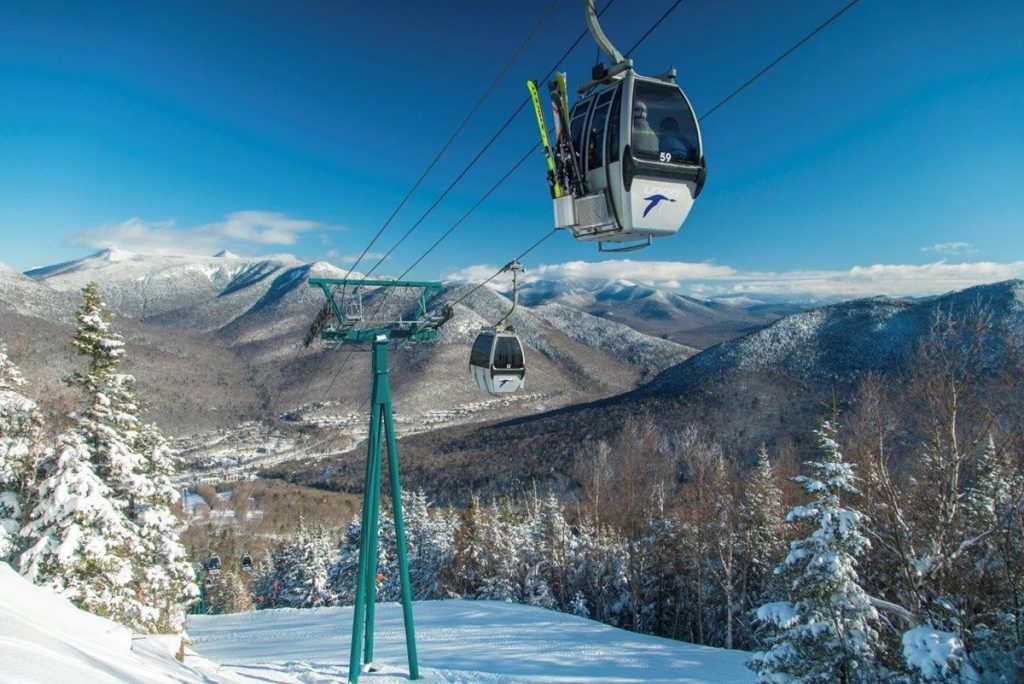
x=568 y=161
x=549 y=157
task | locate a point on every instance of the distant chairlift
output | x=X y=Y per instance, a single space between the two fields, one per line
x=496 y=361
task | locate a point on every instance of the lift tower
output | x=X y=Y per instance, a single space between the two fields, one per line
x=341 y=323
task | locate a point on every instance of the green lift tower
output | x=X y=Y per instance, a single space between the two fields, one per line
x=341 y=323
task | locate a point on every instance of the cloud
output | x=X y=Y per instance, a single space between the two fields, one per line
x=163 y=237
x=708 y=280
x=952 y=248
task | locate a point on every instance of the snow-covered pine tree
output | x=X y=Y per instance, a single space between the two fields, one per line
x=264 y=583
x=343 y=574
x=429 y=535
x=21 y=452
x=110 y=422
x=97 y=459
x=657 y=572
x=303 y=567
x=555 y=551
x=503 y=545
x=603 y=575
x=994 y=515
x=466 y=572
x=826 y=632
x=167 y=579
x=762 y=533
x=76 y=538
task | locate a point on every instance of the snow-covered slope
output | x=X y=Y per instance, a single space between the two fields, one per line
x=43 y=638
x=843 y=341
x=687 y=320
x=215 y=341
x=22 y=295
x=485 y=642
x=649 y=354
x=145 y=286
x=770 y=386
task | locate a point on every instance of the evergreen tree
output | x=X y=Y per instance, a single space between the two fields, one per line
x=429 y=536
x=466 y=573
x=166 y=578
x=303 y=568
x=344 y=571
x=504 y=544
x=109 y=498
x=109 y=424
x=762 y=533
x=21 y=427
x=826 y=632
x=77 y=538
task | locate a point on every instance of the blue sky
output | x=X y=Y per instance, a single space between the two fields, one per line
x=883 y=157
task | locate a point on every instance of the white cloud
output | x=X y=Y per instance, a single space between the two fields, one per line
x=707 y=280
x=163 y=237
x=952 y=248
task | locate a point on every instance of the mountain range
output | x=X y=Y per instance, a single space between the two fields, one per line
x=215 y=342
x=771 y=386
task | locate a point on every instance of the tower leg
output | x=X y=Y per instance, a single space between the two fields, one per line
x=365 y=533
x=381 y=420
x=403 y=561
x=372 y=555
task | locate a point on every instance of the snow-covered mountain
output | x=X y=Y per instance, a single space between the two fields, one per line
x=215 y=341
x=770 y=386
x=687 y=320
x=23 y=295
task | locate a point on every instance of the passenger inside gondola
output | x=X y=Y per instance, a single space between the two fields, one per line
x=672 y=141
x=645 y=140
x=677 y=126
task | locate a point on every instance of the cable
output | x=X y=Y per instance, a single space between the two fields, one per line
x=516 y=166
x=702 y=117
x=501 y=270
x=651 y=30
x=475 y=159
x=451 y=139
x=796 y=46
x=325 y=308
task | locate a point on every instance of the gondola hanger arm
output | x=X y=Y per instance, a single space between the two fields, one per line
x=515 y=267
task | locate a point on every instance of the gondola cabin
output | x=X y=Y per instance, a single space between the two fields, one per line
x=496 y=361
x=246 y=563
x=213 y=566
x=639 y=148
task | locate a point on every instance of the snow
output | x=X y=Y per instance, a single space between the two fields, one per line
x=935 y=654
x=44 y=638
x=458 y=641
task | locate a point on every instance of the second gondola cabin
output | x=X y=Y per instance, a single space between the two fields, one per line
x=496 y=361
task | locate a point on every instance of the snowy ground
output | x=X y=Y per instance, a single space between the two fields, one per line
x=43 y=638
x=459 y=641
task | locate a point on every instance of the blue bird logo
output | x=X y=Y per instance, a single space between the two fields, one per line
x=654 y=200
